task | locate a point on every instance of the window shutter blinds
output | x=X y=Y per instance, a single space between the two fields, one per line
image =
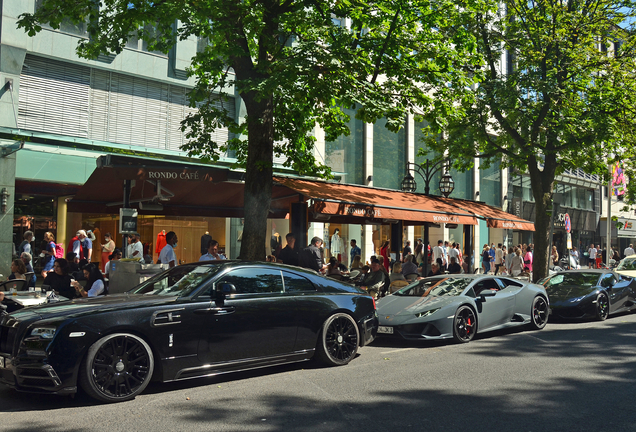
x=73 y=100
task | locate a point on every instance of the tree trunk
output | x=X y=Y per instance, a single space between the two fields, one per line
x=542 y=234
x=258 y=177
x=542 y=188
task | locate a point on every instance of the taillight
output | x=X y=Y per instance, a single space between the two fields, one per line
x=374 y=306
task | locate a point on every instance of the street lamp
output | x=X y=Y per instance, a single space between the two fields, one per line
x=427 y=170
x=446 y=187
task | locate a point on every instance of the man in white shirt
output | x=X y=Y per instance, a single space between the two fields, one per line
x=135 y=249
x=591 y=263
x=438 y=252
x=213 y=252
x=498 y=258
x=629 y=251
x=167 y=255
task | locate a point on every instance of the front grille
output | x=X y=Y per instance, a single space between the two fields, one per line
x=8 y=331
x=568 y=312
x=418 y=330
x=44 y=376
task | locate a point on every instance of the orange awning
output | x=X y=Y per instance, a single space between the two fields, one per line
x=361 y=204
x=494 y=217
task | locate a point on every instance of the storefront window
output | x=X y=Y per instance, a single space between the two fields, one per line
x=346 y=154
x=490 y=184
x=389 y=156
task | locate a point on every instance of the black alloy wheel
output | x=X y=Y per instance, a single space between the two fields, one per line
x=602 y=307
x=540 y=312
x=117 y=368
x=465 y=324
x=338 y=340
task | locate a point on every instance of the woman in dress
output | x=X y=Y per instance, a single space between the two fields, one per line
x=49 y=253
x=384 y=251
x=107 y=250
x=527 y=259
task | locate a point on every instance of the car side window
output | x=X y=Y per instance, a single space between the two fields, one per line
x=486 y=284
x=509 y=282
x=297 y=283
x=252 y=280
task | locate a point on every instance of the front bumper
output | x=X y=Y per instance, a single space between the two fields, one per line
x=32 y=376
x=424 y=330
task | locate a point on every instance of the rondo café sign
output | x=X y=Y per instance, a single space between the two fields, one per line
x=173 y=175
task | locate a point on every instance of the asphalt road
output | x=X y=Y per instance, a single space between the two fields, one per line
x=567 y=377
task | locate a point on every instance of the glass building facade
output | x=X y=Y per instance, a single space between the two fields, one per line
x=345 y=155
x=490 y=184
x=389 y=156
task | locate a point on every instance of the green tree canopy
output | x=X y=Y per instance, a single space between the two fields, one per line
x=294 y=64
x=557 y=94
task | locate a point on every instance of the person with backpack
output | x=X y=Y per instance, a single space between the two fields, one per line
x=75 y=244
x=49 y=253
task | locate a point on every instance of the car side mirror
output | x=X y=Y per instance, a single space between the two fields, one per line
x=488 y=293
x=223 y=290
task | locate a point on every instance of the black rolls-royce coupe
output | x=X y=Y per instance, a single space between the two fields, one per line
x=190 y=321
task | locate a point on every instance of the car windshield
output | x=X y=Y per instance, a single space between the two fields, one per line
x=575 y=279
x=627 y=264
x=179 y=281
x=446 y=287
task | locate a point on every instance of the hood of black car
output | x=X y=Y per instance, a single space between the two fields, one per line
x=79 y=307
x=565 y=292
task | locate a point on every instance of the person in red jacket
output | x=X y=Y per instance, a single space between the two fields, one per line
x=77 y=247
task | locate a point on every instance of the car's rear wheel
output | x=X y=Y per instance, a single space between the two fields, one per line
x=338 y=340
x=540 y=312
x=117 y=368
x=465 y=324
x=602 y=307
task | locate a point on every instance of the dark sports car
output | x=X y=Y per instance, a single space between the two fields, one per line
x=190 y=321
x=576 y=294
x=459 y=306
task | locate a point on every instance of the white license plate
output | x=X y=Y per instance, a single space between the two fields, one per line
x=385 y=329
x=2 y=362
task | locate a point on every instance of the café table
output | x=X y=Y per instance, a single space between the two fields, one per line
x=23 y=299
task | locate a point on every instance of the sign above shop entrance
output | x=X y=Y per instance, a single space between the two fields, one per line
x=174 y=175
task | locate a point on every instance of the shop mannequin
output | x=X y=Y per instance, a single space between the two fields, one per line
x=337 y=247
x=205 y=242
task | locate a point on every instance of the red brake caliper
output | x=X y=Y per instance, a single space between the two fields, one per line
x=468 y=327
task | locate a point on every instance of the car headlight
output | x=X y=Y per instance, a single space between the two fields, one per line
x=44 y=332
x=427 y=313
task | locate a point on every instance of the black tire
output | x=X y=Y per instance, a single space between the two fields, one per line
x=338 y=340
x=540 y=313
x=602 y=307
x=464 y=324
x=116 y=368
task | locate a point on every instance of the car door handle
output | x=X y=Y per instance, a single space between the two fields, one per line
x=216 y=311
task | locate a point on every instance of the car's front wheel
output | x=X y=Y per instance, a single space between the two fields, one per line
x=602 y=307
x=540 y=312
x=117 y=368
x=338 y=340
x=465 y=324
